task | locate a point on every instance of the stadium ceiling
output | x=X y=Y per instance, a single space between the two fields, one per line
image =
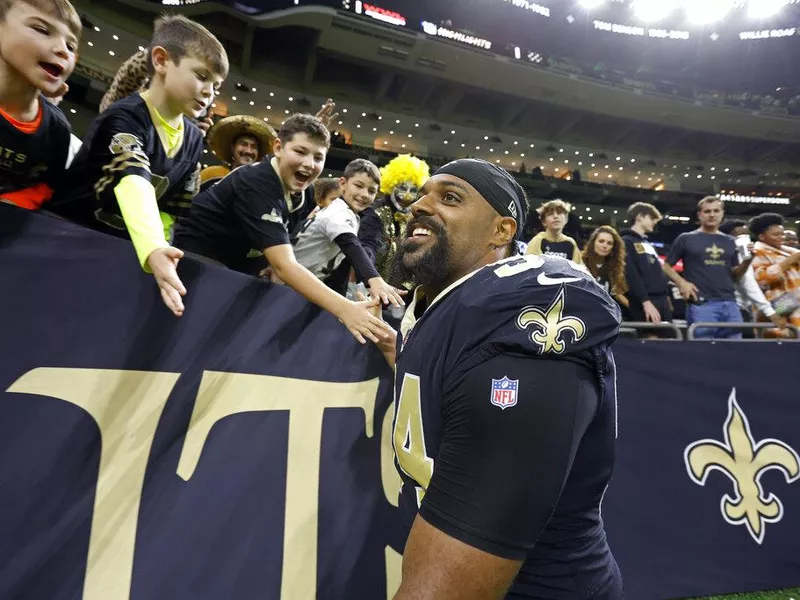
x=402 y=111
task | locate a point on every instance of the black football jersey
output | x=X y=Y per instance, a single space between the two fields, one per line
x=505 y=420
x=124 y=141
x=30 y=158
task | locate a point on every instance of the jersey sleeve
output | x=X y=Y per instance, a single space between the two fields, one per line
x=676 y=252
x=258 y=203
x=339 y=222
x=500 y=470
x=535 y=245
x=535 y=306
x=119 y=146
x=576 y=252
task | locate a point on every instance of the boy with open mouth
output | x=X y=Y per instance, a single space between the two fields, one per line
x=38 y=46
x=257 y=205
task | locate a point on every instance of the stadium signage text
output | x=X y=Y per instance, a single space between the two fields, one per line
x=531 y=6
x=752 y=199
x=767 y=34
x=458 y=36
x=380 y=14
x=671 y=34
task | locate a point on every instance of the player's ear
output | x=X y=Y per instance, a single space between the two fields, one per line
x=504 y=230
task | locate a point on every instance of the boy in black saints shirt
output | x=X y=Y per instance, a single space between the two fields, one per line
x=256 y=206
x=552 y=240
x=139 y=167
x=38 y=46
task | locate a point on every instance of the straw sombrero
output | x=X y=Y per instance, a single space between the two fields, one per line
x=222 y=135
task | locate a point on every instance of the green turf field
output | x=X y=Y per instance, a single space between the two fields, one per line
x=792 y=594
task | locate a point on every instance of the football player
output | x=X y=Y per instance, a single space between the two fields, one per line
x=504 y=429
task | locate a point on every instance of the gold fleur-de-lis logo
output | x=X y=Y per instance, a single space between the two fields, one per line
x=550 y=325
x=715 y=251
x=744 y=462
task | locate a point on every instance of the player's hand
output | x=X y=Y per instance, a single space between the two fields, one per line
x=326 y=114
x=360 y=321
x=386 y=293
x=163 y=263
x=689 y=291
x=651 y=313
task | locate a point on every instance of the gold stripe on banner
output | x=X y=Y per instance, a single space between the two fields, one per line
x=225 y=394
x=126 y=405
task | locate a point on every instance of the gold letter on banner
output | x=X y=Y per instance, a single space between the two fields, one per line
x=225 y=394
x=126 y=405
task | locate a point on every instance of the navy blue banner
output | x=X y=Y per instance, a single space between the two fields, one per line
x=693 y=419
x=243 y=450
x=232 y=453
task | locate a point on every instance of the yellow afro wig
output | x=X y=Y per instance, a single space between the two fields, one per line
x=404 y=168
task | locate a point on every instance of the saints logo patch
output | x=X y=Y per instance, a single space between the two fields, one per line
x=123 y=143
x=549 y=326
x=744 y=461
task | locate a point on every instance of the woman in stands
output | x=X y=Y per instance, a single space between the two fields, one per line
x=604 y=256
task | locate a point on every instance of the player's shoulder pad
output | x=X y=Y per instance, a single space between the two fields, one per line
x=538 y=304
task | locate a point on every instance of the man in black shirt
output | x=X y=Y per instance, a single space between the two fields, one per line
x=711 y=267
x=504 y=431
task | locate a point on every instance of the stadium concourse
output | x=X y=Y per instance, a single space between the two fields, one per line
x=603 y=188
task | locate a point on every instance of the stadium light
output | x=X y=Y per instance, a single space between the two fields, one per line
x=651 y=11
x=763 y=9
x=709 y=11
x=591 y=4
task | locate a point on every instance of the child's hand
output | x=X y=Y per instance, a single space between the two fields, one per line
x=163 y=263
x=359 y=320
x=386 y=293
x=205 y=124
x=388 y=345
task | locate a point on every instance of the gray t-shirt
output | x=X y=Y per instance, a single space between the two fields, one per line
x=707 y=262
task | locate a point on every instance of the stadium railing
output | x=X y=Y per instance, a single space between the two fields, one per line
x=690 y=332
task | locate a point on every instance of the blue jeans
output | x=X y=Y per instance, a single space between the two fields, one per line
x=715 y=311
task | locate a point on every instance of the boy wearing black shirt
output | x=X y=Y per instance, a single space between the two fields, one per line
x=38 y=45
x=256 y=206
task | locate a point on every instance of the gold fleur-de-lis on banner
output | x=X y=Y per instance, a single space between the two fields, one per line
x=549 y=325
x=744 y=462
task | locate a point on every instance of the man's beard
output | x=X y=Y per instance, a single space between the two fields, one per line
x=431 y=268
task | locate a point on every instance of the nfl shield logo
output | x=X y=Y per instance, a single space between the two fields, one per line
x=504 y=392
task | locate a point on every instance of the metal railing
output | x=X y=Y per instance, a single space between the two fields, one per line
x=690 y=333
x=638 y=326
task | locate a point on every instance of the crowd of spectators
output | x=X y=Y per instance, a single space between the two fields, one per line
x=136 y=176
x=781 y=101
x=724 y=272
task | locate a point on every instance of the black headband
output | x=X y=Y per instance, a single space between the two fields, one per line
x=496 y=186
